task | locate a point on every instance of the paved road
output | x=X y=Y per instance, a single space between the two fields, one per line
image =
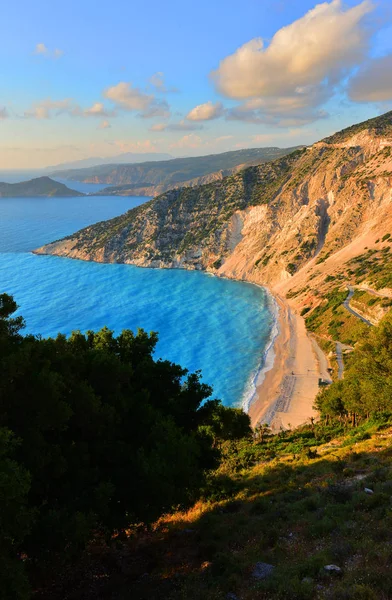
x=339 y=358
x=347 y=306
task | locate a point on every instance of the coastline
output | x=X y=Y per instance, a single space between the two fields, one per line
x=268 y=355
x=288 y=385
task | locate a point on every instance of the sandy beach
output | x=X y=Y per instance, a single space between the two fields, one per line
x=286 y=395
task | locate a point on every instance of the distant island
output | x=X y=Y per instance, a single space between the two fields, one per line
x=39 y=187
x=125 y=157
x=153 y=178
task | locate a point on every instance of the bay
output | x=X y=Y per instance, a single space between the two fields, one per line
x=205 y=323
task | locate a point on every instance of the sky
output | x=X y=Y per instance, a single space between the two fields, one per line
x=81 y=79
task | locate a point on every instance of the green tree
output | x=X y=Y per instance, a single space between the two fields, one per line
x=107 y=435
x=15 y=519
x=367 y=385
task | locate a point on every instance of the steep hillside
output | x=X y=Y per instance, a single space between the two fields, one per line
x=163 y=175
x=317 y=216
x=276 y=515
x=41 y=186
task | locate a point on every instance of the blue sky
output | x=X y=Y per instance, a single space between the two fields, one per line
x=81 y=78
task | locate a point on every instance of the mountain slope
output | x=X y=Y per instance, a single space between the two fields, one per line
x=41 y=186
x=124 y=158
x=163 y=175
x=291 y=223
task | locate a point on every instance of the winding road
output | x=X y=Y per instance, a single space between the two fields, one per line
x=339 y=346
x=347 y=306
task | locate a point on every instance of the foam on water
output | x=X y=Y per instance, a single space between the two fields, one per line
x=220 y=326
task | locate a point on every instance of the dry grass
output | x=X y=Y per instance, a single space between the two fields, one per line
x=301 y=506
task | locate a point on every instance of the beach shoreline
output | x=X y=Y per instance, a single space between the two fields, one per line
x=287 y=388
x=286 y=383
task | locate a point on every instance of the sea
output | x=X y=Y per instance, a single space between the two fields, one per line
x=221 y=327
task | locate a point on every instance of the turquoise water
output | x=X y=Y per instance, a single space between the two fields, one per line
x=221 y=327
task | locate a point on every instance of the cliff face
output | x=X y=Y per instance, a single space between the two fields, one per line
x=292 y=224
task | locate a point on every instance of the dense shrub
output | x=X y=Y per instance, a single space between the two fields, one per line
x=366 y=389
x=106 y=436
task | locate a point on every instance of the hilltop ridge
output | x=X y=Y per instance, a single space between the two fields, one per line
x=288 y=223
x=153 y=178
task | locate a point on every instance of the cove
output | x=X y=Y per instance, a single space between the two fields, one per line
x=218 y=326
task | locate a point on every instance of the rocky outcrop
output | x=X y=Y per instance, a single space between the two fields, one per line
x=293 y=224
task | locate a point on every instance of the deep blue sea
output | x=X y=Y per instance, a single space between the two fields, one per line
x=221 y=327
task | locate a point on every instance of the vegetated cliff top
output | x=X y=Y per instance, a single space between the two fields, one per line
x=378 y=126
x=39 y=187
x=181 y=219
x=175 y=170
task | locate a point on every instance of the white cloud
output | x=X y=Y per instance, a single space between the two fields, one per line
x=41 y=49
x=48 y=108
x=158 y=108
x=285 y=111
x=104 y=125
x=3 y=113
x=181 y=126
x=129 y=98
x=299 y=69
x=144 y=145
x=158 y=127
x=319 y=45
x=98 y=110
x=373 y=82
x=45 y=51
x=158 y=82
x=188 y=141
x=206 y=112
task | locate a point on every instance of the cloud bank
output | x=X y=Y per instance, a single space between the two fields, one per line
x=181 y=126
x=298 y=70
x=48 y=108
x=373 y=82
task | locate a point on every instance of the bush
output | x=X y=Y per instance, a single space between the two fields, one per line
x=107 y=437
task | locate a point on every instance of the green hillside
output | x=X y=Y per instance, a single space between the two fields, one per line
x=381 y=125
x=175 y=170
